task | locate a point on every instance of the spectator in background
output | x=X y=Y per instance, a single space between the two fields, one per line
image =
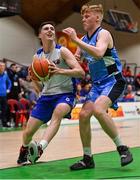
x=28 y=90
x=14 y=77
x=129 y=95
x=84 y=92
x=84 y=65
x=127 y=72
x=5 y=86
x=25 y=84
x=128 y=75
x=23 y=72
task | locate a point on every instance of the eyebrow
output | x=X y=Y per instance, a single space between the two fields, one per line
x=48 y=27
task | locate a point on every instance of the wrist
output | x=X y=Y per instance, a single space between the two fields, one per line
x=76 y=40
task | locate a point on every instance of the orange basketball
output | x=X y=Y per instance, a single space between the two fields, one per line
x=39 y=69
x=32 y=75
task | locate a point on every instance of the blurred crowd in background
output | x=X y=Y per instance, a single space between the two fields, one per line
x=18 y=95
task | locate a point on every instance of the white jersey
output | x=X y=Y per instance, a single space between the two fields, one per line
x=57 y=84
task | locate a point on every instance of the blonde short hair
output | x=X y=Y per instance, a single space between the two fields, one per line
x=90 y=7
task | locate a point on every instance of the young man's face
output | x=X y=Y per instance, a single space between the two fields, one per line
x=89 y=20
x=47 y=32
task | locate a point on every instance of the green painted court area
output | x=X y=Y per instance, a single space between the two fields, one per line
x=107 y=167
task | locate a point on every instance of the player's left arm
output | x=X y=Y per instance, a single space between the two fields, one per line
x=75 y=68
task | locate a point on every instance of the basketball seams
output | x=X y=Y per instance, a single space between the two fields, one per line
x=35 y=71
x=41 y=66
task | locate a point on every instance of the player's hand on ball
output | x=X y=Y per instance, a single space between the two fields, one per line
x=53 y=69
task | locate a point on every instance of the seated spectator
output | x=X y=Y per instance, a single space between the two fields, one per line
x=25 y=84
x=84 y=65
x=127 y=72
x=130 y=80
x=82 y=92
x=28 y=90
x=129 y=95
x=85 y=90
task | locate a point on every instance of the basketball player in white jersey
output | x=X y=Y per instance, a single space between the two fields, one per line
x=57 y=96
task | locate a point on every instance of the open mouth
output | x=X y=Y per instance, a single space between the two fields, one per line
x=50 y=35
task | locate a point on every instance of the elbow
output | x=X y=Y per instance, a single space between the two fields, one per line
x=99 y=55
x=79 y=73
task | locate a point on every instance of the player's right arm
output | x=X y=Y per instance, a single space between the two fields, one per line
x=97 y=51
x=75 y=70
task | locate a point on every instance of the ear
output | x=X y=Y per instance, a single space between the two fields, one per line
x=98 y=18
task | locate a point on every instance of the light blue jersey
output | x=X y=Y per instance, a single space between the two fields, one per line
x=105 y=67
x=106 y=73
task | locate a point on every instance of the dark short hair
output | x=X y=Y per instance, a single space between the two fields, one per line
x=44 y=23
x=13 y=64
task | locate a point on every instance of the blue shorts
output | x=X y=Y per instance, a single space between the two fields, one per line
x=45 y=105
x=112 y=87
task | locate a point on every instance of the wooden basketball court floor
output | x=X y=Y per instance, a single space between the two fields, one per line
x=67 y=144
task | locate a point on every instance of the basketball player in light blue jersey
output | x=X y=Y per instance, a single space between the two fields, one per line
x=105 y=69
x=57 y=98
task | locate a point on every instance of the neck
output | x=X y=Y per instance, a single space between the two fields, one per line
x=91 y=31
x=48 y=46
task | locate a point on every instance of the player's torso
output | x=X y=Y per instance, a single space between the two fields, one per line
x=58 y=84
x=105 y=67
